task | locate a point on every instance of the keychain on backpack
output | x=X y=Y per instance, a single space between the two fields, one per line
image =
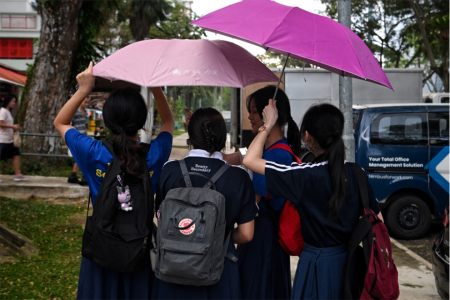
x=124 y=196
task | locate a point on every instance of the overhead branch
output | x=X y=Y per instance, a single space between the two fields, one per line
x=428 y=76
x=426 y=43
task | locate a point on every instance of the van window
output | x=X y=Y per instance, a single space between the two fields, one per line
x=399 y=129
x=438 y=128
x=444 y=100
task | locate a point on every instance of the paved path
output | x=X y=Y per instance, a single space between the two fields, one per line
x=41 y=187
x=180 y=140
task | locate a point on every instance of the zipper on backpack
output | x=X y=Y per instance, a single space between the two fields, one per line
x=145 y=243
x=216 y=210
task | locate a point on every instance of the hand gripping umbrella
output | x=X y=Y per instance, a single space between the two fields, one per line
x=184 y=62
x=297 y=33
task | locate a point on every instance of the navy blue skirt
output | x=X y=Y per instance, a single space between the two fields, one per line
x=96 y=282
x=227 y=287
x=264 y=267
x=319 y=273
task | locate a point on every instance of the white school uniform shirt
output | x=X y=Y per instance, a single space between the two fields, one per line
x=6 y=134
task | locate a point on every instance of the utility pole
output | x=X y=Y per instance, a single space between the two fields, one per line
x=345 y=88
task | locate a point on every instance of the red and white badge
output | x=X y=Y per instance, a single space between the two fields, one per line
x=186 y=222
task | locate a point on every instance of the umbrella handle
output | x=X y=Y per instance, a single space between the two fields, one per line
x=281 y=76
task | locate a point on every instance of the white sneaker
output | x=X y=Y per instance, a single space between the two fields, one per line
x=20 y=177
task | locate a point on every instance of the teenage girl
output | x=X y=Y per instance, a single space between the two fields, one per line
x=324 y=192
x=124 y=114
x=263 y=265
x=207 y=135
x=7 y=127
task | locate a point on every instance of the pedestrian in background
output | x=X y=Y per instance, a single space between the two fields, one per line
x=79 y=123
x=125 y=112
x=7 y=127
x=325 y=194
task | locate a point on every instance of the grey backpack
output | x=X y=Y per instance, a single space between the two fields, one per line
x=191 y=232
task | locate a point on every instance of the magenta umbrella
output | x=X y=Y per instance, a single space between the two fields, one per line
x=184 y=62
x=297 y=33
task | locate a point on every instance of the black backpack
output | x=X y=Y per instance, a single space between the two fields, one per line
x=115 y=238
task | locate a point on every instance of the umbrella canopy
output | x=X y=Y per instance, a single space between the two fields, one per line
x=305 y=36
x=184 y=62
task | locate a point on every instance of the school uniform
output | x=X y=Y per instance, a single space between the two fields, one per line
x=96 y=282
x=308 y=187
x=240 y=208
x=264 y=267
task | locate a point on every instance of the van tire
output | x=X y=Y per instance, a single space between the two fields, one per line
x=408 y=217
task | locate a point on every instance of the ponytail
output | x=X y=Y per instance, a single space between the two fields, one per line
x=130 y=153
x=293 y=136
x=325 y=123
x=124 y=114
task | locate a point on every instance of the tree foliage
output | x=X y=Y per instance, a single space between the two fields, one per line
x=143 y=14
x=392 y=31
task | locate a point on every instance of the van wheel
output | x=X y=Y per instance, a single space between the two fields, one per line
x=408 y=217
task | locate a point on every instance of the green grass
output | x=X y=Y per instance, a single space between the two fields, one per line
x=39 y=168
x=56 y=233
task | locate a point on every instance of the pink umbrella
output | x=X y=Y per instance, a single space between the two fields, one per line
x=303 y=35
x=184 y=62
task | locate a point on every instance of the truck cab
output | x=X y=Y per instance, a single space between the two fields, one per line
x=404 y=149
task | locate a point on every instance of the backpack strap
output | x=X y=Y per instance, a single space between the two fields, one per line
x=287 y=148
x=184 y=171
x=362 y=185
x=362 y=234
x=217 y=175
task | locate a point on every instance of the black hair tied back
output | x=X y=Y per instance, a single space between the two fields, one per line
x=124 y=114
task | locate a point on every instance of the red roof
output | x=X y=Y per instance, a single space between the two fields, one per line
x=8 y=75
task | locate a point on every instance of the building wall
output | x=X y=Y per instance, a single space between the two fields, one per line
x=323 y=86
x=19 y=8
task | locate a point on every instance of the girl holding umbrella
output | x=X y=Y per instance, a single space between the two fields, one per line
x=325 y=193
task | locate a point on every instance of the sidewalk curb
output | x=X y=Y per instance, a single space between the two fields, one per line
x=412 y=254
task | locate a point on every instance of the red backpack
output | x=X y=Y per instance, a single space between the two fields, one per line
x=289 y=233
x=376 y=274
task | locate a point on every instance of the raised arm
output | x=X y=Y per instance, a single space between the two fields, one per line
x=164 y=111
x=85 y=82
x=253 y=159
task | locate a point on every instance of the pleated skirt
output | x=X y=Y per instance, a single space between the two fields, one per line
x=319 y=273
x=227 y=288
x=264 y=267
x=96 y=282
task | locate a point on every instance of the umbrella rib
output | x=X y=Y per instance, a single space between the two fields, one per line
x=278 y=25
x=360 y=67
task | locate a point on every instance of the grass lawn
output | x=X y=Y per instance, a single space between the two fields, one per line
x=56 y=233
x=176 y=132
x=39 y=169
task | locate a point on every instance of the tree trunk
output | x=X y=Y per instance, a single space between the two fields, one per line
x=49 y=85
x=140 y=25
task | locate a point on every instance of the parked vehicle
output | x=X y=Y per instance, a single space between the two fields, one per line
x=404 y=149
x=439 y=259
x=436 y=98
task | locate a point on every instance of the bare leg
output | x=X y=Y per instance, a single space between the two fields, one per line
x=75 y=168
x=16 y=164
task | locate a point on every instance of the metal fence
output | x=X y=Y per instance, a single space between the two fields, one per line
x=40 y=154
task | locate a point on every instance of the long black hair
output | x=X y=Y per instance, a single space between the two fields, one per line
x=124 y=114
x=262 y=97
x=8 y=98
x=325 y=123
x=207 y=130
